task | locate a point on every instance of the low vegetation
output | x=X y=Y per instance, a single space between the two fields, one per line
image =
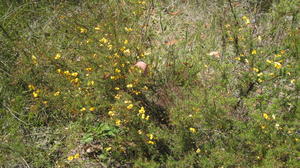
x=221 y=88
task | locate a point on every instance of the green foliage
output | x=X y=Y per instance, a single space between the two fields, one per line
x=221 y=87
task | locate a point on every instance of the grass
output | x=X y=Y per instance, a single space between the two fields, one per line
x=221 y=88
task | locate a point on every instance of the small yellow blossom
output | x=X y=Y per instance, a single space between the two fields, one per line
x=260 y=74
x=117 y=88
x=83 y=109
x=125 y=42
x=142 y=110
x=57 y=56
x=74 y=74
x=293 y=81
x=103 y=40
x=97 y=28
x=31 y=87
x=112 y=77
x=246 y=19
x=127 y=51
x=198 y=150
x=58 y=70
x=128 y=29
x=255 y=69
x=269 y=61
x=259 y=80
x=150 y=136
x=89 y=69
x=92 y=109
x=263 y=127
x=90 y=83
x=237 y=58
x=151 y=142
x=70 y=158
x=277 y=65
x=76 y=156
x=130 y=106
x=110 y=47
x=35 y=94
x=127 y=101
x=278 y=55
x=266 y=116
x=117 y=70
x=253 y=52
x=107 y=149
x=118 y=122
x=83 y=30
x=57 y=93
x=129 y=86
x=34 y=59
x=67 y=73
x=140 y=132
x=111 y=113
x=118 y=96
x=192 y=130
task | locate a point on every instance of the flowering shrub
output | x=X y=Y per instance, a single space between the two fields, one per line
x=149 y=84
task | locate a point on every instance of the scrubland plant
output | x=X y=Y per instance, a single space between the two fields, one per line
x=221 y=88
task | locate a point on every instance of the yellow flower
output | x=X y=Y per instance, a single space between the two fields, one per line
x=117 y=88
x=237 y=58
x=246 y=19
x=260 y=74
x=142 y=110
x=97 y=28
x=293 y=81
x=192 y=130
x=35 y=94
x=278 y=55
x=253 y=52
x=128 y=29
x=117 y=70
x=58 y=70
x=266 y=116
x=118 y=96
x=129 y=86
x=83 y=30
x=70 y=158
x=127 y=51
x=259 y=80
x=31 y=87
x=89 y=69
x=83 y=109
x=74 y=74
x=147 y=118
x=107 y=149
x=198 y=150
x=56 y=93
x=112 y=77
x=140 y=132
x=255 y=69
x=103 y=40
x=151 y=142
x=111 y=113
x=125 y=42
x=92 y=108
x=76 y=156
x=90 y=83
x=57 y=56
x=277 y=65
x=109 y=47
x=34 y=59
x=269 y=61
x=130 y=106
x=150 y=136
x=67 y=73
x=118 y=122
